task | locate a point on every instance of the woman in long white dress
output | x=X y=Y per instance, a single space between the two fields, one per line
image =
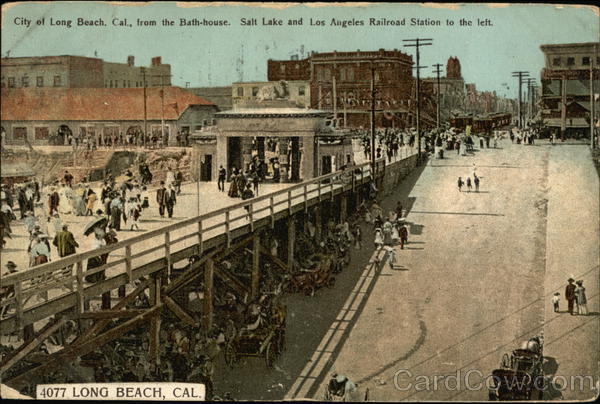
x=64 y=205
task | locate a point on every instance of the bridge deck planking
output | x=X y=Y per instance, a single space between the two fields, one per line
x=266 y=209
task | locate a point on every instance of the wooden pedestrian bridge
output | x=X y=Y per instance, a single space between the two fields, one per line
x=146 y=262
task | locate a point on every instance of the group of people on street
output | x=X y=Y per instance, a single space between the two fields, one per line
x=575 y=295
x=469 y=183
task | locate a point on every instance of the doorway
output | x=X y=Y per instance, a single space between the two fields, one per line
x=326 y=165
x=206 y=168
x=234 y=153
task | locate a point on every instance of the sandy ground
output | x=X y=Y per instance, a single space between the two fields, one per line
x=473 y=283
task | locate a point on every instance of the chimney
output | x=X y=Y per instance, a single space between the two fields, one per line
x=130 y=60
x=156 y=61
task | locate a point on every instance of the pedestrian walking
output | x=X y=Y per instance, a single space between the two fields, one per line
x=65 y=242
x=162 y=198
x=378 y=239
x=247 y=194
x=403 y=235
x=357 y=235
x=570 y=294
x=134 y=209
x=171 y=200
x=255 y=181
x=476 y=181
x=469 y=186
x=145 y=198
x=387 y=233
x=53 y=201
x=556 y=301
x=222 y=178
x=116 y=211
x=233 y=187
x=460 y=184
x=91 y=200
x=581 y=299
x=399 y=210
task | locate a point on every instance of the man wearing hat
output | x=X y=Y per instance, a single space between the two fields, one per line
x=8 y=291
x=570 y=294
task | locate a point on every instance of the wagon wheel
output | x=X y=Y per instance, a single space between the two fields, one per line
x=331 y=282
x=230 y=354
x=270 y=354
x=505 y=362
x=281 y=342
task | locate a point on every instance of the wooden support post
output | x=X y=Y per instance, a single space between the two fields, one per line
x=318 y=223
x=305 y=198
x=227 y=225
x=19 y=306
x=251 y=216
x=154 y=346
x=343 y=207
x=255 y=266
x=289 y=195
x=168 y=254
x=291 y=241
x=208 y=294
x=128 y=263
x=80 y=291
x=272 y=209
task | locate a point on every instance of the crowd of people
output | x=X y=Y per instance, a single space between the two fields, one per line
x=134 y=137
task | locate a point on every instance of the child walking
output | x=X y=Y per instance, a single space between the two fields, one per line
x=555 y=301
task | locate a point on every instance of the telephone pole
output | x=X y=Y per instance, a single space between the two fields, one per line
x=520 y=75
x=162 y=106
x=530 y=83
x=373 y=120
x=437 y=71
x=145 y=108
x=417 y=43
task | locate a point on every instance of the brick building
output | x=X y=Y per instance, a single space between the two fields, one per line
x=79 y=71
x=340 y=83
x=37 y=115
x=565 y=99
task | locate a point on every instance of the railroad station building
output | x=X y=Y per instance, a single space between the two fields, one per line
x=340 y=83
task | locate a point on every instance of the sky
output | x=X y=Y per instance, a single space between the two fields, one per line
x=219 y=55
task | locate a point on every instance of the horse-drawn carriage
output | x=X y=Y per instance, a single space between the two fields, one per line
x=521 y=374
x=265 y=337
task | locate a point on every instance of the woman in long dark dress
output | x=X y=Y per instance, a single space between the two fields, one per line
x=233 y=187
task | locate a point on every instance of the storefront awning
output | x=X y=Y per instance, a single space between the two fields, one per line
x=569 y=123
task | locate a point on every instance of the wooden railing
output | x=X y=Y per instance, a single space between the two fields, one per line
x=155 y=250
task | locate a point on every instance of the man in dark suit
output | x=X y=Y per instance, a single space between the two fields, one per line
x=570 y=294
x=222 y=178
x=171 y=200
x=161 y=198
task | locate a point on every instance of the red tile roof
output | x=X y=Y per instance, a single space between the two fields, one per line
x=94 y=104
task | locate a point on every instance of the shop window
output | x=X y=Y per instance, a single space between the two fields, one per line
x=240 y=91
x=41 y=133
x=301 y=90
x=11 y=82
x=20 y=133
x=570 y=61
x=254 y=91
x=585 y=61
x=39 y=81
x=556 y=62
x=24 y=81
x=57 y=81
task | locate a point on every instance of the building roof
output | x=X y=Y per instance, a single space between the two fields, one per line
x=94 y=104
x=270 y=112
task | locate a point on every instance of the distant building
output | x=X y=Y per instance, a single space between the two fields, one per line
x=340 y=83
x=452 y=90
x=256 y=94
x=220 y=96
x=37 y=115
x=79 y=71
x=565 y=99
